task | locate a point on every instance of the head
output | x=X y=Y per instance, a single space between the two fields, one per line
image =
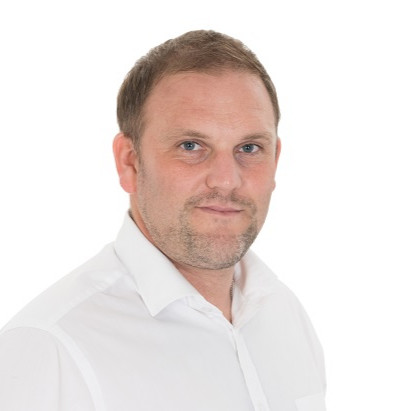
x=196 y=51
x=198 y=148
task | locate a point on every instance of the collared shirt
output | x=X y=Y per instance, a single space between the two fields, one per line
x=126 y=331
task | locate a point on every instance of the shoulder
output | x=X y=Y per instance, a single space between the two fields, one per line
x=95 y=276
x=38 y=355
x=37 y=373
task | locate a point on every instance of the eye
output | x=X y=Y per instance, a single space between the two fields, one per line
x=249 y=148
x=190 y=146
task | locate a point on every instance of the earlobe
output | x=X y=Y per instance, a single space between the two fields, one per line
x=126 y=164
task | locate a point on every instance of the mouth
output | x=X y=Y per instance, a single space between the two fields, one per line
x=220 y=210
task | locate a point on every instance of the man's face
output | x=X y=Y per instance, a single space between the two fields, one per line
x=206 y=166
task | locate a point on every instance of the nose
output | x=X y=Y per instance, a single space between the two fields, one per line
x=223 y=172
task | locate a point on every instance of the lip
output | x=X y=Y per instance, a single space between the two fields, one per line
x=220 y=210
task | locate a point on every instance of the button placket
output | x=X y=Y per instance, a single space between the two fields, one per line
x=251 y=378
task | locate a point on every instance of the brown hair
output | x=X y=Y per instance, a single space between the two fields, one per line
x=198 y=51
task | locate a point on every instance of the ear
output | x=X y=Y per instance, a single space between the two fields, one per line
x=277 y=151
x=126 y=162
x=277 y=156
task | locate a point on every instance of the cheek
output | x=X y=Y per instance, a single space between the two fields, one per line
x=181 y=181
x=261 y=182
x=270 y=180
x=166 y=187
x=260 y=190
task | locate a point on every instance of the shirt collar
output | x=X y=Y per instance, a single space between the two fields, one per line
x=254 y=279
x=254 y=283
x=158 y=282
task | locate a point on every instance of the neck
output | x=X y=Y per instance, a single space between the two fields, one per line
x=214 y=285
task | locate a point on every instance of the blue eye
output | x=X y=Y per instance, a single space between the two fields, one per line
x=190 y=146
x=249 y=148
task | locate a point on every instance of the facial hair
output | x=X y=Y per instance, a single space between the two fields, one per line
x=212 y=250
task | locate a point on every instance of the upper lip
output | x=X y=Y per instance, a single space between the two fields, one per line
x=221 y=208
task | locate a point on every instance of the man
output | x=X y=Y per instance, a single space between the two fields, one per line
x=177 y=314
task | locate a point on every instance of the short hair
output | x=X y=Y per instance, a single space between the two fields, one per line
x=195 y=51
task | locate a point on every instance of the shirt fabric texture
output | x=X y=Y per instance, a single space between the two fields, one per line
x=126 y=331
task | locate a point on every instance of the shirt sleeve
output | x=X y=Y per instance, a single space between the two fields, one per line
x=38 y=374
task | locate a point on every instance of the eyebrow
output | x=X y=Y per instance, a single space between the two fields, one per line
x=264 y=135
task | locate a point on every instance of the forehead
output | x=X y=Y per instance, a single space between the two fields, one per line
x=229 y=93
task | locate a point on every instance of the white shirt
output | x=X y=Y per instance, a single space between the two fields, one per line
x=126 y=331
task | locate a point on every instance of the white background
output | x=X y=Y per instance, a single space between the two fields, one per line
x=339 y=228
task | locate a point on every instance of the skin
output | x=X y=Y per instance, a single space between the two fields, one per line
x=201 y=179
